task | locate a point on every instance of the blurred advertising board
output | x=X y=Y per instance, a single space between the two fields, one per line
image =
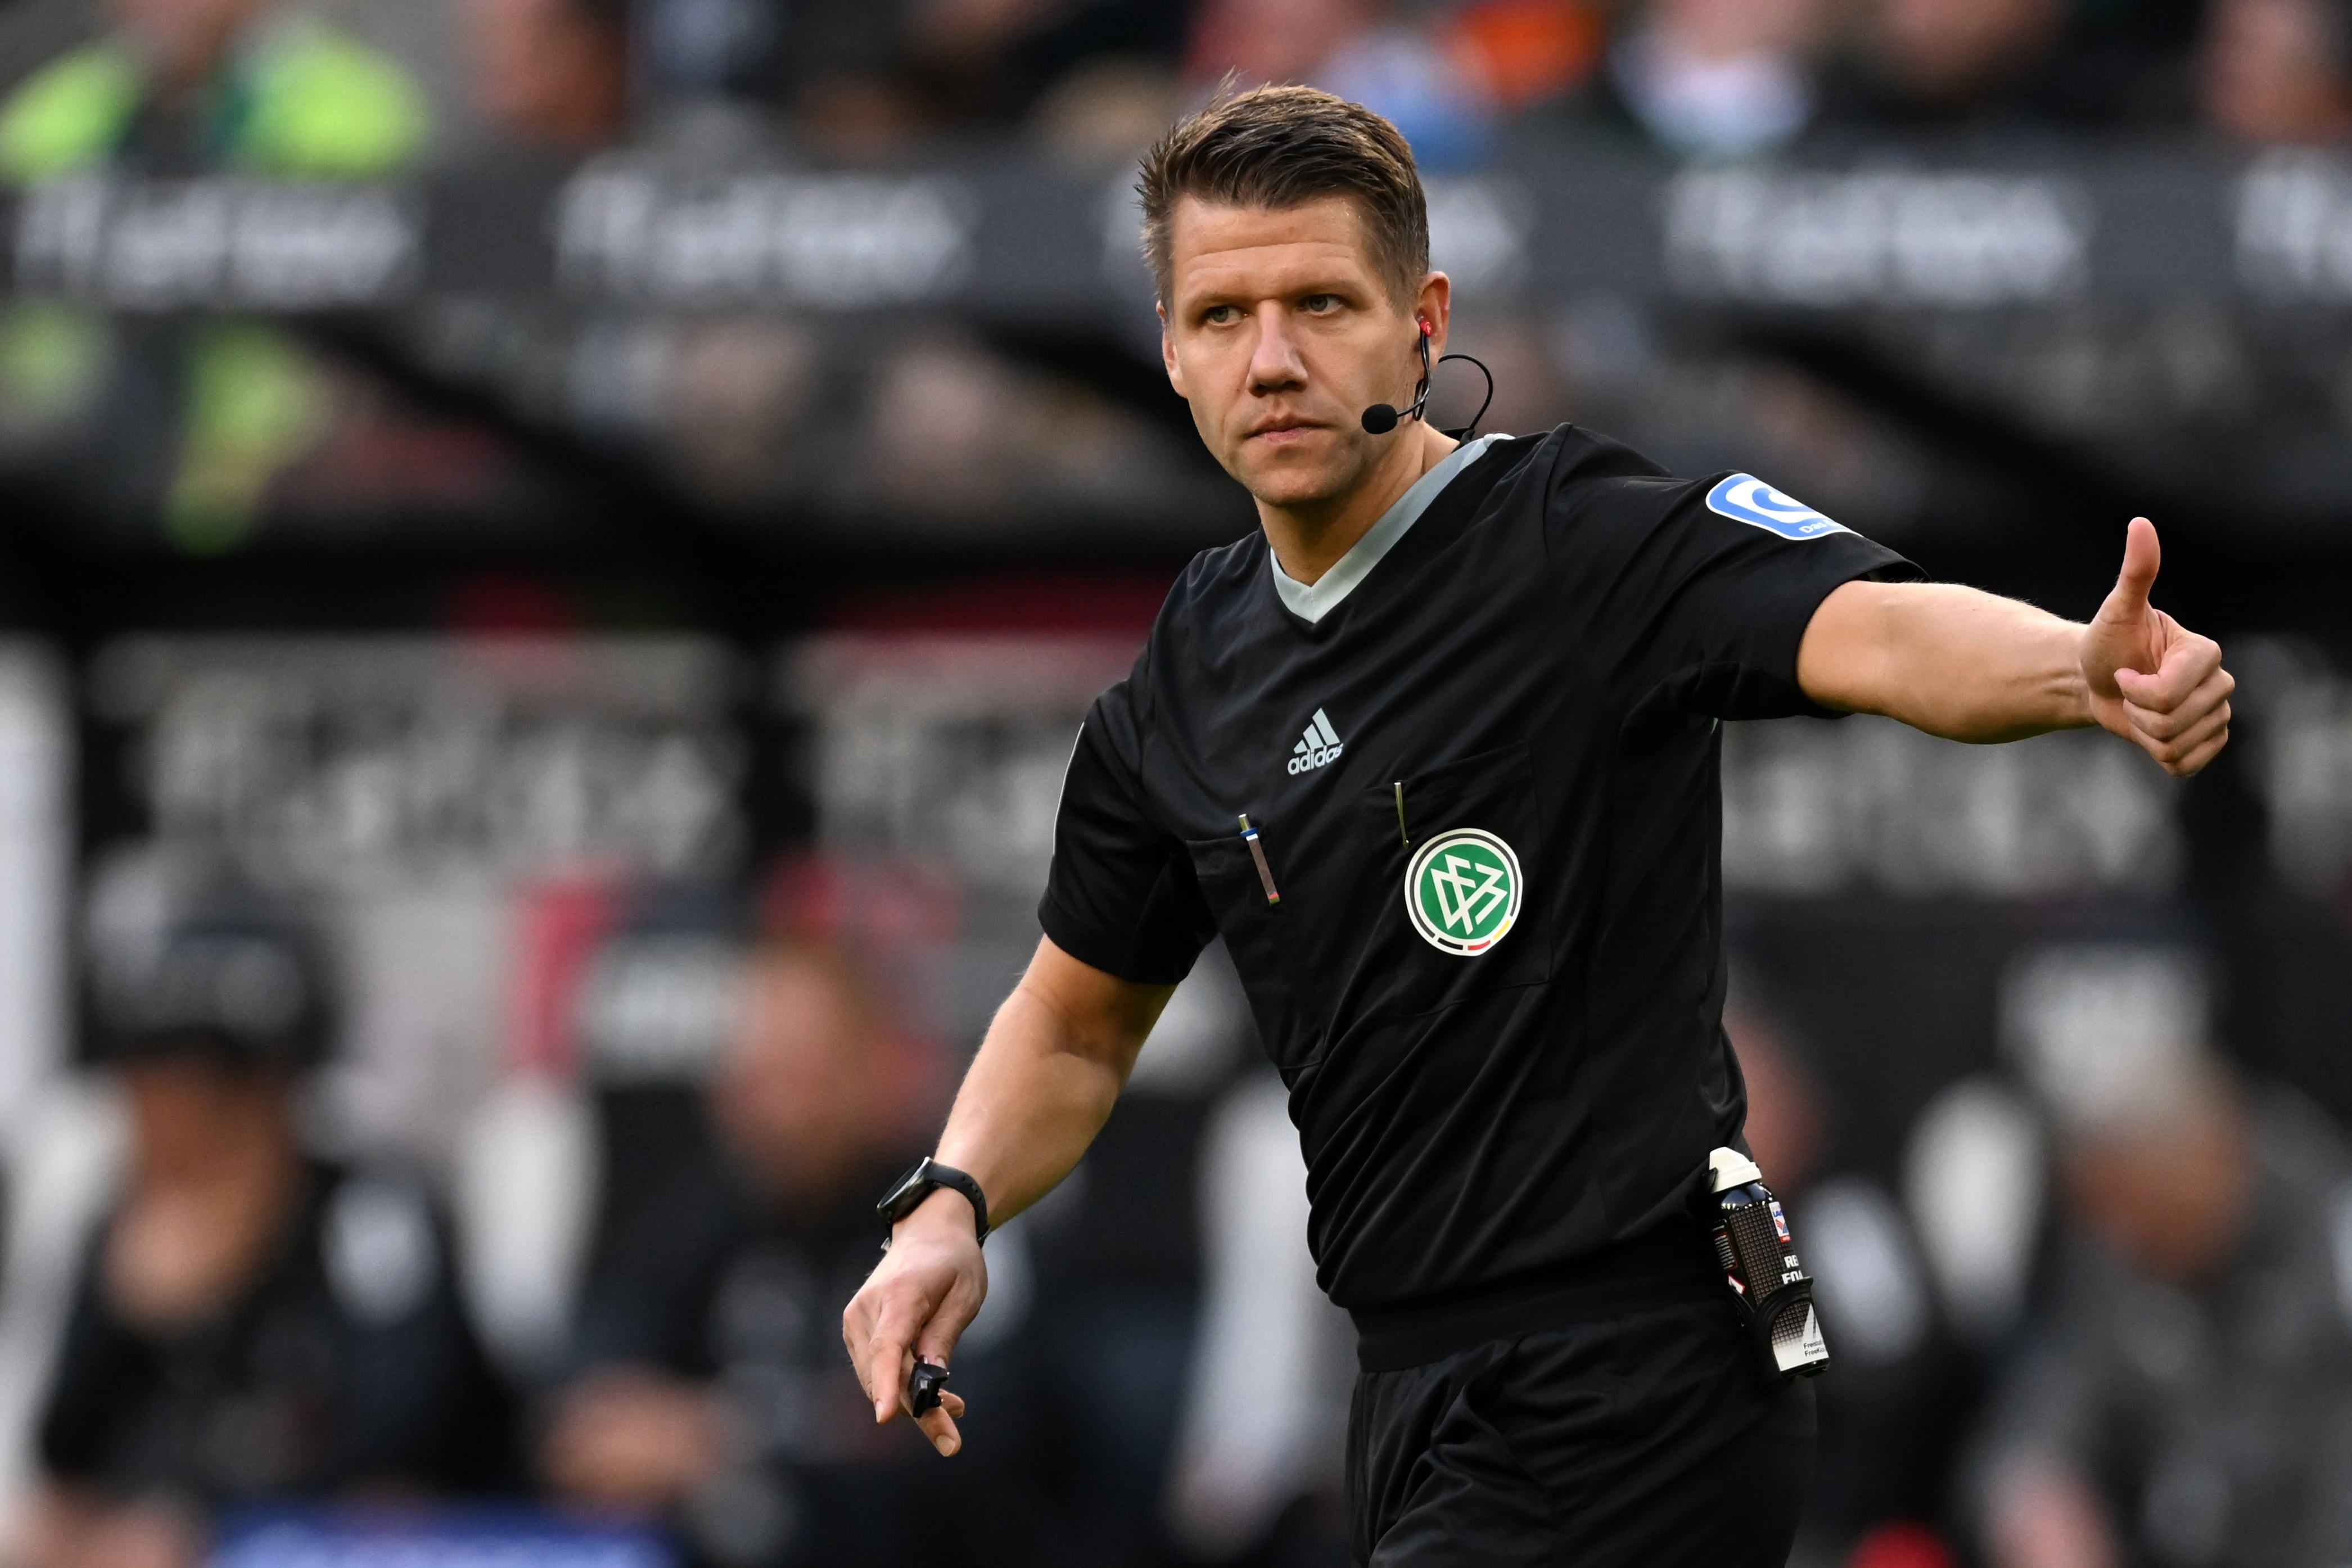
x=1027 y=233
x=946 y=749
x=1867 y=804
x=423 y=761
x=2175 y=316
x=466 y=820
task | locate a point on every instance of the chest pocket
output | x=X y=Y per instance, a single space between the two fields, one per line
x=1459 y=911
x=1264 y=941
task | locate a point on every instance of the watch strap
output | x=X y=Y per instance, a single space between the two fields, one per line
x=928 y=1176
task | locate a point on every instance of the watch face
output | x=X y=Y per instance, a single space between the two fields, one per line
x=903 y=1197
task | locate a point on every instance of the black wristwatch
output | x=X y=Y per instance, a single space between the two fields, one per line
x=920 y=1183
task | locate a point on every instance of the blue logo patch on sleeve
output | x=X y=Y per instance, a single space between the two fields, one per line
x=1745 y=498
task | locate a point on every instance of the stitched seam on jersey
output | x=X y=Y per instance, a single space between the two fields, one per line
x=1312 y=601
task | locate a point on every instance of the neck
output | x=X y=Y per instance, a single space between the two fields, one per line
x=1309 y=539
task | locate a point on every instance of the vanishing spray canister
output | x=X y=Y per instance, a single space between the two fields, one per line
x=1760 y=1260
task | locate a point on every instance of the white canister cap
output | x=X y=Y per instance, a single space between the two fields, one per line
x=1732 y=1169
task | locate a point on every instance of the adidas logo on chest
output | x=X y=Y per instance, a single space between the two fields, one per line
x=1318 y=745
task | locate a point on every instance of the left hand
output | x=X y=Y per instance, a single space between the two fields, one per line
x=2149 y=679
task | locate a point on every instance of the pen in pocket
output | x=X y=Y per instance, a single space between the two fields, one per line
x=1258 y=853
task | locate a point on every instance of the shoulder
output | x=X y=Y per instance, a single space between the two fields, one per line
x=326 y=106
x=70 y=115
x=1602 y=487
x=1589 y=475
x=1205 y=609
x=1575 y=458
x=1587 y=487
x=1215 y=583
x=1202 y=610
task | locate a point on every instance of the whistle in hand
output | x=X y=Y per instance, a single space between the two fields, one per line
x=924 y=1385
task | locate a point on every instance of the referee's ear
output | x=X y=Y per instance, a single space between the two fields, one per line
x=1433 y=303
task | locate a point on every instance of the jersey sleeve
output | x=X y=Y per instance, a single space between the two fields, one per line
x=1700 y=590
x=1121 y=895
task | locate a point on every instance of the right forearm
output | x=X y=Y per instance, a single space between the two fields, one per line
x=1949 y=660
x=1038 y=1091
x=1041 y=1087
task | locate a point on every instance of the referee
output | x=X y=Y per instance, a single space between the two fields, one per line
x=1435 y=752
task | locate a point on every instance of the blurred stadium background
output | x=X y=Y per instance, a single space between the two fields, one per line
x=554 y=549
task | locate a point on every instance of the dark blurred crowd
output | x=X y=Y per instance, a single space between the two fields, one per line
x=2100 y=1317
x=340 y=89
x=267 y=1313
x=209 y=431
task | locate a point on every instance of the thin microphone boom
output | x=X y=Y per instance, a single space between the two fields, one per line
x=1381 y=417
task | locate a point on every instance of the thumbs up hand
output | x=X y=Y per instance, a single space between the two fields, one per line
x=2147 y=677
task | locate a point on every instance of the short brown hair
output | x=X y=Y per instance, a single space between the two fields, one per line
x=1284 y=147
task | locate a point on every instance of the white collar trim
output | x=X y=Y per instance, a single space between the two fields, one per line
x=1312 y=601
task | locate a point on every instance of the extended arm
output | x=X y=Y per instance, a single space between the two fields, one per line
x=1970 y=666
x=1043 y=1084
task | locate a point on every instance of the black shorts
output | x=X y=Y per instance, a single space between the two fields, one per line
x=1648 y=1437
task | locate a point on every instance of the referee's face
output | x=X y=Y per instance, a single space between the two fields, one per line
x=1280 y=331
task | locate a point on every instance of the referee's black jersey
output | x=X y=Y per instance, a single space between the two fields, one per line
x=1484 y=944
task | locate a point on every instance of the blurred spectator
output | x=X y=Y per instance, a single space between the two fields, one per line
x=1194 y=1361
x=251 y=1323
x=625 y=998
x=710 y=1380
x=1260 y=1454
x=862 y=79
x=953 y=433
x=180 y=87
x=1719 y=77
x=1528 y=52
x=1959 y=54
x=993 y=60
x=2277 y=70
x=1939 y=61
x=1889 y=1405
x=2187 y=1396
x=703 y=49
x=841 y=71
x=1916 y=65
x=1108 y=111
x=1361 y=51
x=1976 y=1181
x=552 y=72
x=186 y=85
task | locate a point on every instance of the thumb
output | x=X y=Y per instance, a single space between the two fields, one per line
x=2142 y=556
